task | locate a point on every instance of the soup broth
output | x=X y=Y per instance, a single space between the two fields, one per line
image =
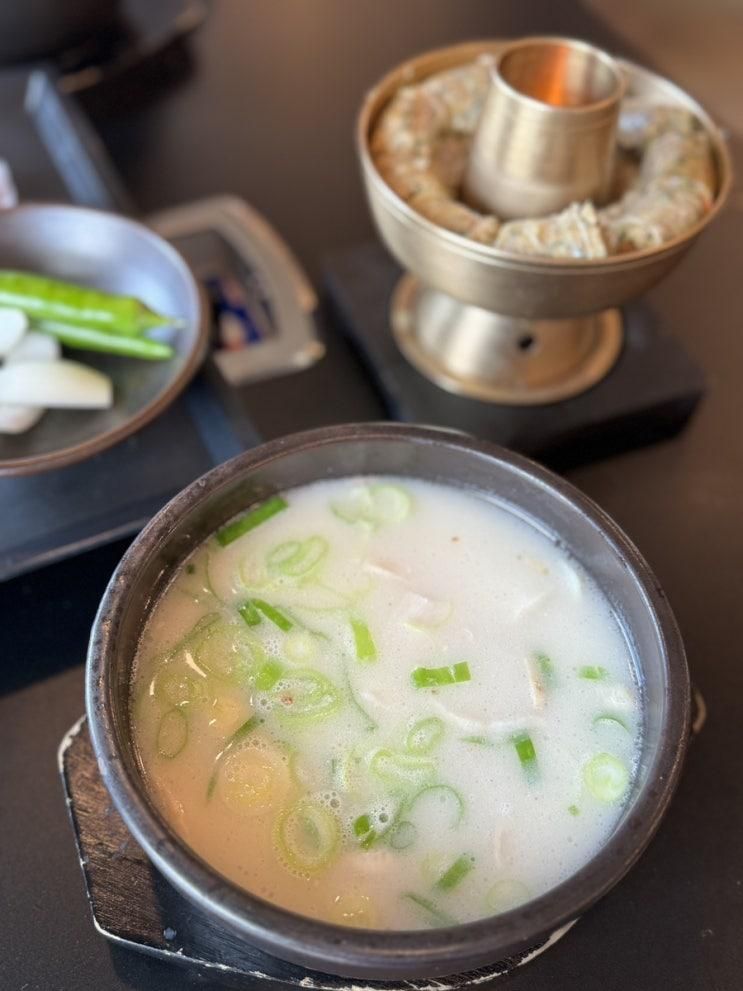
x=386 y=703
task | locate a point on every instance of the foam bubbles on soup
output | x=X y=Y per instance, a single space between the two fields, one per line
x=388 y=704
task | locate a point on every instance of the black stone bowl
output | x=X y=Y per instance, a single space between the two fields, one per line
x=550 y=504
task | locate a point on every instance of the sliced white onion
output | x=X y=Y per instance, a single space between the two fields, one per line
x=617 y=697
x=383 y=569
x=18 y=419
x=422 y=612
x=469 y=718
x=34 y=346
x=529 y=603
x=380 y=697
x=502 y=848
x=536 y=684
x=13 y=325
x=374 y=862
x=55 y=384
x=572 y=581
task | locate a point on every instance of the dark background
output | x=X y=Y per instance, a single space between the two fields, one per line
x=267 y=112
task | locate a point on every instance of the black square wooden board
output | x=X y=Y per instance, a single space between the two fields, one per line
x=649 y=395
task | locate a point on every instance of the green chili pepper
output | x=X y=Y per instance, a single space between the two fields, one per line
x=49 y=299
x=90 y=339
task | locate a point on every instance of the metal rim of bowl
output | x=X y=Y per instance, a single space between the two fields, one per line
x=448 y=57
x=400 y=953
x=64 y=456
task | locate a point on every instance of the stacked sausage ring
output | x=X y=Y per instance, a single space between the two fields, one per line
x=664 y=180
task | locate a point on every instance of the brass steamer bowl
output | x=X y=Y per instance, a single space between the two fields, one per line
x=495 y=325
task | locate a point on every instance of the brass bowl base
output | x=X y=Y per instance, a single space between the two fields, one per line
x=498 y=358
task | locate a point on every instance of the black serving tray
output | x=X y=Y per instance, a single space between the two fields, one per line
x=647 y=396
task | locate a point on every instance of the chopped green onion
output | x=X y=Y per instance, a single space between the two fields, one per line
x=425 y=735
x=200 y=629
x=370 y=723
x=434 y=677
x=195 y=637
x=267 y=676
x=244 y=524
x=371 y=828
x=212 y=783
x=349 y=774
x=249 y=613
x=274 y=615
x=365 y=647
x=172 y=685
x=605 y=719
x=308 y=835
x=305 y=696
x=573 y=810
x=392 y=503
x=546 y=667
x=172 y=733
x=225 y=652
x=592 y=672
x=431 y=909
x=298 y=775
x=295 y=558
x=197 y=585
x=455 y=874
x=402 y=835
x=362 y=826
x=363 y=829
x=212 y=582
x=245 y=729
x=356 y=506
x=606 y=777
x=432 y=795
x=373 y=505
x=526 y=753
x=402 y=770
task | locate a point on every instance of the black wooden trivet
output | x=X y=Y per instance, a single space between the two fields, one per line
x=649 y=395
x=134 y=906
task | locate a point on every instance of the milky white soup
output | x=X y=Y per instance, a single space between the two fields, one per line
x=387 y=704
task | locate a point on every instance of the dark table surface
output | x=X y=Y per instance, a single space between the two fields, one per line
x=267 y=113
